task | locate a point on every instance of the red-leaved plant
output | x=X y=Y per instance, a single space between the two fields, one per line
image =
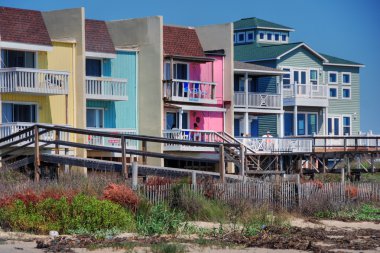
x=121 y=195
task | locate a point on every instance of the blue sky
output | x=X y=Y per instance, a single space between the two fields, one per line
x=348 y=29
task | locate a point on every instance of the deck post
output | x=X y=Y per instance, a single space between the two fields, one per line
x=372 y=163
x=37 y=161
x=124 y=169
x=348 y=165
x=194 y=179
x=221 y=162
x=134 y=175
x=144 y=149
x=242 y=160
x=342 y=176
x=60 y=166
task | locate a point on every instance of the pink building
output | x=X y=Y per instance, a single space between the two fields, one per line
x=193 y=89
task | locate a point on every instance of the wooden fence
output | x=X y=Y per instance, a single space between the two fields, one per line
x=284 y=195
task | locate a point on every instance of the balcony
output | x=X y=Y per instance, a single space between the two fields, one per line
x=109 y=141
x=34 y=81
x=190 y=135
x=254 y=100
x=7 y=129
x=305 y=95
x=189 y=91
x=278 y=145
x=106 y=88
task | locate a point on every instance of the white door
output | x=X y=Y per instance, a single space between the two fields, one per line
x=333 y=126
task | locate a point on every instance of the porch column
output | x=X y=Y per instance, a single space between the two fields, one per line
x=180 y=118
x=280 y=131
x=246 y=124
x=246 y=89
x=325 y=118
x=295 y=121
x=171 y=69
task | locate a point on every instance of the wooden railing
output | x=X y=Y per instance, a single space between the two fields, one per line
x=278 y=145
x=346 y=143
x=305 y=91
x=8 y=129
x=190 y=91
x=39 y=81
x=257 y=100
x=191 y=135
x=106 y=88
x=111 y=141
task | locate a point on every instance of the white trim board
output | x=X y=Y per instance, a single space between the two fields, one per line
x=100 y=55
x=199 y=108
x=24 y=46
x=307 y=47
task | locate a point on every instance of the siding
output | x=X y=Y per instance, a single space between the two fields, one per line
x=339 y=107
x=300 y=57
x=120 y=114
x=267 y=122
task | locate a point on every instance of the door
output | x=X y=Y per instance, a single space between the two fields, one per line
x=19 y=112
x=300 y=77
x=237 y=127
x=333 y=125
x=255 y=127
x=94 y=67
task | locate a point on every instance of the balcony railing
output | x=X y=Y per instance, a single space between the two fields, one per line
x=257 y=100
x=190 y=91
x=305 y=91
x=7 y=129
x=112 y=142
x=106 y=88
x=190 y=135
x=278 y=145
x=38 y=81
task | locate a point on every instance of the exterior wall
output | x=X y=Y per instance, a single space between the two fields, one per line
x=339 y=107
x=212 y=121
x=215 y=37
x=146 y=34
x=120 y=114
x=300 y=57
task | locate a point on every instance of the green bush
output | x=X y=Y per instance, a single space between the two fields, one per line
x=365 y=212
x=159 y=220
x=83 y=213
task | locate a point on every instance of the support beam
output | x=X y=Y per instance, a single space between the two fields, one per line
x=246 y=124
x=295 y=121
x=37 y=163
x=144 y=149
x=124 y=169
x=242 y=160
x=221 y=163
x=134 y=175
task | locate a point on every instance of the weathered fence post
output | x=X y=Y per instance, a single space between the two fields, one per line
x=242 y=160
x=60 y=166
x=221 y=162
x=372 y=163
x=124 y=169
x=134 y=175
x=194 y=179
x=342 y=176
x=37 y=161
x=144 y=149
x=298 y=181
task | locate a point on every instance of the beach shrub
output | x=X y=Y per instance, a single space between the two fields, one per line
x=122 y=195
x=159 y=220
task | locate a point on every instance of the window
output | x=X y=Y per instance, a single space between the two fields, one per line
x=346 y=93
x=286 y=77
x=276 y=37
x=241 y=37
x=346 y=78
x=283 y=37
x=234 y=37
x=22 y=59
x=301 y=124
x=269 y=36
x=346 y=125
x=333 y=125
x=333 y=77
x=288 y=124
x=93 y=67
x=261 y=35
x=311 y=124
x=12 y=112
x=95 y=117
x=333 y=92
x=307 y=124
x=314 y=76
x=250 y=36
x=237 y=127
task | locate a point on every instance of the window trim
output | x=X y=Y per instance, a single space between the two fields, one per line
x=23 y=103
x=234 y=38
x=237 y=37
x=328 y=77
x=318 y=73
x=346 y=88
x=259 y=33
x=342 y=120
x=337 y=92
x=246 y=36
x=286 y=37
x=103 y=109
x=279 y=37
x=271 y=34
x=346 y=73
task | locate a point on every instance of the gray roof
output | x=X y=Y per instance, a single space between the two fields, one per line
x=255 y=68
x=259 y=23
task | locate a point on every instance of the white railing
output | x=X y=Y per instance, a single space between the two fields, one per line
x=27 y=80
x=257 y=100
x=278 y=145
x=347 y=142
x=109 y=141
x=106 y=88
x=190 y=91
x=190 y=135
x=305 y=91
x=7 y=129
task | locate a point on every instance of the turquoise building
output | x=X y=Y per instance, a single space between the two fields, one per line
x=320 y=93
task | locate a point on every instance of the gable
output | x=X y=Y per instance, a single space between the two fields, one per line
x=301 y=57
